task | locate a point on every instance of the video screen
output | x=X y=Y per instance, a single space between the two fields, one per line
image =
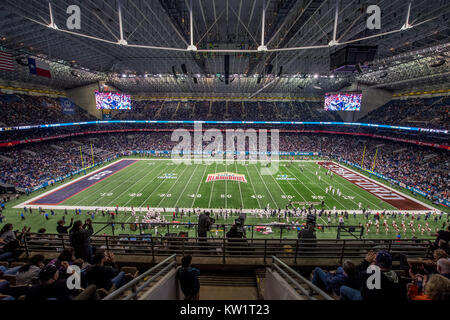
x=343 y=101
x=112 y=100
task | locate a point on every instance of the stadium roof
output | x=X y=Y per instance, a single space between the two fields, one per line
x=403 y=60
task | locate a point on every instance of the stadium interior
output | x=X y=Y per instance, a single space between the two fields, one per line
x=224 y=150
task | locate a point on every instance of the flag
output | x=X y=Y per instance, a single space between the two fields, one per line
x=39 y=68
x=6 y=61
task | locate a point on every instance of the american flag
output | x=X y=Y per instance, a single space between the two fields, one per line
x=6 y=61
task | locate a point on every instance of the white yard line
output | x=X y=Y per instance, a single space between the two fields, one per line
x=198 y=188
x=253 y=187
x=108 y=183
x=158 y=185
x=162 y=169
x=270 y=193
x=299 y=179
x=182 y=192
x=117 y=186
x=334 y=197
x=226 y=186
x=295 y=189
x=173 y=185
x=212 y=188
x=239 y=185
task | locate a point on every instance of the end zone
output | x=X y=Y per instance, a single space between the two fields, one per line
x=381 y=191
x=63 y=193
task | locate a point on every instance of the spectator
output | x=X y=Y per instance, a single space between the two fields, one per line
x=63 y=261
x=443 y=267
x=436 y=288
x=443 y=239
x=80 y=239
x=105 y=276
x=344 y=275
x=7 y=233
x=390 y=286
x=188 y=279
x=50 y=287
x=29 y=273
x=204 y=225
x=60 y=227
x=306 y=239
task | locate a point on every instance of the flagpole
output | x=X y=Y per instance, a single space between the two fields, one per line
x=82 y=162
x=364 y=153
x=374 y=159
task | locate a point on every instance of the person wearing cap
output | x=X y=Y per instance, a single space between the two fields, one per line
x=390 y=285
x=50 y=286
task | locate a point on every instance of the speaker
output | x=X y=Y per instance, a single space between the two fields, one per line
x=280 y=71
x=183 y=68
x=351 y=55
x=195 y=80
x=259 y=79
x=227 y=68
x=269 y=69
x=174 y=72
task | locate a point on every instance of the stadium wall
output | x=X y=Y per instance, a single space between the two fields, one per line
x=85 y=98
x=372 y=99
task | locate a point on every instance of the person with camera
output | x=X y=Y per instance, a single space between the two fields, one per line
x=236 y=236
x=204 y=225
x=80 y=239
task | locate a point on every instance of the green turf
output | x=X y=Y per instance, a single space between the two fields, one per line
x=140 y=185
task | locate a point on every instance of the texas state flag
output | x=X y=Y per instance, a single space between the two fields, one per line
x=39 y=67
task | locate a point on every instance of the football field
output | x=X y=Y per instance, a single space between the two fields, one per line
x=164 y=185
x=169 y=184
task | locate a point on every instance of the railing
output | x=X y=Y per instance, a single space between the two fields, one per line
x=297 y=281
x=230 y=247
x=163 y=267
x=285 y=230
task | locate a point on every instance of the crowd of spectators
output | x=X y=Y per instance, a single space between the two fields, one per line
x=429 y=113
x=424 y=168
x=20 y=109
x=412 y=279
x=43 y=279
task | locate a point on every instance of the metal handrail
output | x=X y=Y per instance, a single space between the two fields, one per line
x=148 y=281
x=165 y=246
x=135 y=281
x=276 y=261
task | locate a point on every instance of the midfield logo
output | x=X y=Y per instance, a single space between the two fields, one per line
x=226 y=176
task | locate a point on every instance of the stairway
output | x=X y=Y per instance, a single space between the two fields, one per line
x=228 y=287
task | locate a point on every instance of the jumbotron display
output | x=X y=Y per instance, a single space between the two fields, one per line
x=112 y=100
x=343 y=101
